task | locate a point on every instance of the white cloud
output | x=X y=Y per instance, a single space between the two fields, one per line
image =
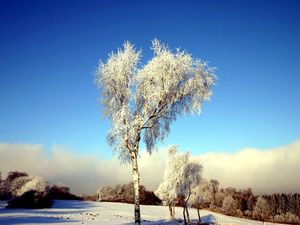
x=265 y=171
x=273 y=170
x=83 y=173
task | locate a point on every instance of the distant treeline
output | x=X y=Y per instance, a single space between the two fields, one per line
x=20 y=190
x=276 y=207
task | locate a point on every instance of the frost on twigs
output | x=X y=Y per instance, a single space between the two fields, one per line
x=180 y=177
x=142 y=100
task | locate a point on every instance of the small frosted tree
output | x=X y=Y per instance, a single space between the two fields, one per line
x=202 y=195
x=167 y=194
x=180 y=176
x=142 y=101
x=191 y=177
x=38 y=184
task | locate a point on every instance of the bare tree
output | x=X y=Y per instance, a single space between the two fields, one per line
x=141 y=102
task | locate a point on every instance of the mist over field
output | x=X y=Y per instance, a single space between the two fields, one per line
x=264 y=170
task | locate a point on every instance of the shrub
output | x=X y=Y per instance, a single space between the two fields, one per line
x=8 y=184
x=17 y=184
x=124 y=193
x=106 y=194
x=38 y=184
x=31 y=199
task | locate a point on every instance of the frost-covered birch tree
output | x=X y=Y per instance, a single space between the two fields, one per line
x=191 y=177
x=201 y=196
x=141 y=101
x=166 y=193
x=180 y=176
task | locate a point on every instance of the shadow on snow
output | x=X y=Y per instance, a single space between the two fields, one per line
x=9 y=220
x=205 y=220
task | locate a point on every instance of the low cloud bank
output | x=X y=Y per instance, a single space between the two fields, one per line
x=83 y=173
x=265 y=171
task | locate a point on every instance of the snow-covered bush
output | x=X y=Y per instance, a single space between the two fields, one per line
x=38 y=184
x=31 y=199
x=17 y=184
x=30 y=192
x=229 y=205
x=8 y=185
x=106 y=193
x=124 y=193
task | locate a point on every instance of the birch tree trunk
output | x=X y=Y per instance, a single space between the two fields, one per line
x=187 y=214
x=171 y=212
x=184 y=218
x=199 y=217
x=136 y=186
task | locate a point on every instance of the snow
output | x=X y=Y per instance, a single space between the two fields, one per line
x=105 y=213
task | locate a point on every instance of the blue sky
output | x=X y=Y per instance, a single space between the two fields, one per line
x=49 y=50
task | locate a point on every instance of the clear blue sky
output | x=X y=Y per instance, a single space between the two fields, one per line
x=49 y=50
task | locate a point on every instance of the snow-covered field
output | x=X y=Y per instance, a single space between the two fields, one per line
x=104 y=213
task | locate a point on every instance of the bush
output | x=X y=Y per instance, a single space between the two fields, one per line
x=31 y=199
x=38 y=184
x=124 y=193
x=17 y=184
x=107 y=194
x=8 y=185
